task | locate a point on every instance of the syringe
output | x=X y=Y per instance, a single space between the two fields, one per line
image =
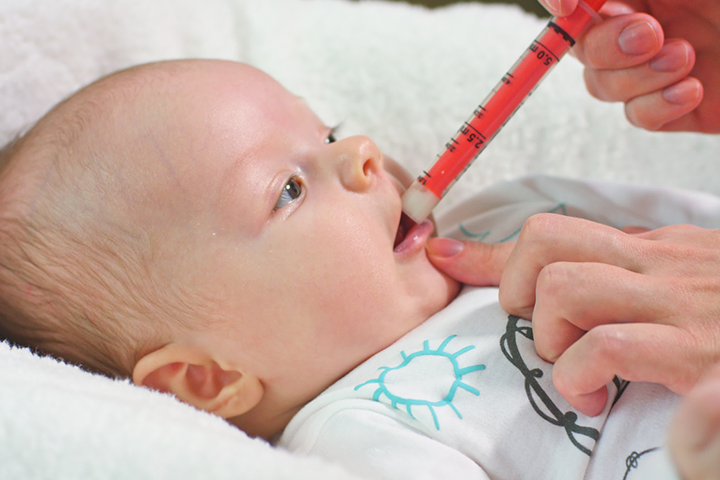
x=490 y=116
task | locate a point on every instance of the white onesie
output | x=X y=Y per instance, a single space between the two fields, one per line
x=465 y=395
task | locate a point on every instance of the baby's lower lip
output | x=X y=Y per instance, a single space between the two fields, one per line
x=415 y=239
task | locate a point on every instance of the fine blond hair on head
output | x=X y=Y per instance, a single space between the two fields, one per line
x=77 y=281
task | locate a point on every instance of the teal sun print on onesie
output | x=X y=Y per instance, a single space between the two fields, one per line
x=389 y=381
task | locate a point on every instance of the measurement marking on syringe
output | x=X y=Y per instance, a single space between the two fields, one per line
x=548 y=50
x=478 y=113
x=567 y=37
x=476 y=130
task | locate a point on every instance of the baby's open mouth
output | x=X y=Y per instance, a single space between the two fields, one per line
x=404 y=227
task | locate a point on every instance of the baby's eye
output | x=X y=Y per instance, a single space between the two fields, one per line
x=331 y=136
x=291 y=191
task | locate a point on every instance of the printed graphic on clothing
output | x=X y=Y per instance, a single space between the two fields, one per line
x=403 y=387
x=516 y=330
x=639 y=462
x=560 y=209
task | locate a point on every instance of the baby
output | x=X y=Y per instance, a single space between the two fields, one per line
x=195 y=227
x=184 y=224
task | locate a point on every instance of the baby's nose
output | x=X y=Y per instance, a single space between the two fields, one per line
x=361 y=161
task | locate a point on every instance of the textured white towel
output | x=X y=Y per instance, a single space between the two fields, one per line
x=404 y=75
x=58 y=422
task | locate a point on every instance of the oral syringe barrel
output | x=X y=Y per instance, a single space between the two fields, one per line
x=490 y=116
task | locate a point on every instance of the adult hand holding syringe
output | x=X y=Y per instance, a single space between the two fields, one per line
x=655 y=56
x=651 y=65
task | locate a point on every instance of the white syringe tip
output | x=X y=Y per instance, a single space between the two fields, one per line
x=418 y=202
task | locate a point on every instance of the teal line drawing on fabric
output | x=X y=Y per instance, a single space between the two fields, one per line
x=481 y=236
x=439 y=353
x=478 y=236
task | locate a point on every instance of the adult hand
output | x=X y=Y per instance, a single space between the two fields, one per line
x=655 y=56
x=644 y=306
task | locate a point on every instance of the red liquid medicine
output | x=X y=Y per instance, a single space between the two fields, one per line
x=490 y=116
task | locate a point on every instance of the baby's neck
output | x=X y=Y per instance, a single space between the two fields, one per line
x=261 y=422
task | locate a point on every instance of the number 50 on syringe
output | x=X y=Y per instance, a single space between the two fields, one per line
x=489 y=117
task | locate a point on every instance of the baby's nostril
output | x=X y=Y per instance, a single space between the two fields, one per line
x=367 y=167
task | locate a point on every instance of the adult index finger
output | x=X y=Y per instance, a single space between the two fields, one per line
x=470 y=262
x=549 y=238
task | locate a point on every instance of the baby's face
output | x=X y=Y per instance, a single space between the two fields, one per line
x=290 y=233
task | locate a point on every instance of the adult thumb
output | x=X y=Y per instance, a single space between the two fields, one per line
x=474 y=263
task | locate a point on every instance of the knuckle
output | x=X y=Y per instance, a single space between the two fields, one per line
x=606 y=341
x=692 y=267
x=620 y=85
x=541 y=227
x=692 y=355
x=592 y=84
x=486 y=254
x=513 y=304
x=552 y=281
x=704 y=346
x=595 y=55
x=677 y=230
x=611 y=85
x=692 y=258
x=562 y=289
x=685 y=228
x=640 y=117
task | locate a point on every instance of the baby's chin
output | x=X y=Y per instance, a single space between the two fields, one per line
x=440 y=289
x=445 y=294
x=453 y=289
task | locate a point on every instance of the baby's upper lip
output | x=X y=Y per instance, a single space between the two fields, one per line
x=398 y=218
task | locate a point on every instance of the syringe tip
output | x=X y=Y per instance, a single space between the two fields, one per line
x=418 y=202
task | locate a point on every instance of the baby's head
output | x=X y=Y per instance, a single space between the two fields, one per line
x=194 y=226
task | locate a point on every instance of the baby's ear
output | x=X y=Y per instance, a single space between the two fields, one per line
x=196 y=378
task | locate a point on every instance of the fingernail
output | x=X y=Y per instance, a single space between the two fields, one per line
x=672 y=57
x=682 y=93
x=444 y=247
x=553 y=6
x=637 y=38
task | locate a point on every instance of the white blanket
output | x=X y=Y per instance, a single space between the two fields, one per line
x=404 y=75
